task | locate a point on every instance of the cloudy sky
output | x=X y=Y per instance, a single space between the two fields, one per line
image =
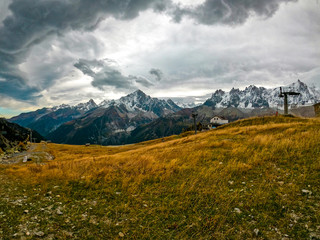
x=68 y=51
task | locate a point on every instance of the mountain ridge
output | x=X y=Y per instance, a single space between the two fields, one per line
x=260 y=97
x=138 y=100
x=46 y=120
x=136 y=108
x=129 y=118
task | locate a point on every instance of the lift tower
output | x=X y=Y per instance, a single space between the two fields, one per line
x=285 y=96
x=194 y=115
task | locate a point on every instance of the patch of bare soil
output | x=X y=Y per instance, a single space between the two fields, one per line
x=37 y=153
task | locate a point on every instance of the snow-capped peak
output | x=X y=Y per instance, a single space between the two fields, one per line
x=138 y=93
x=62 y=106
x=81 y=106
x=139 y=101
x=259 y=97
x=86 y=106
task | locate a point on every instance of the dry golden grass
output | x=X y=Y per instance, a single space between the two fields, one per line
x=245 y=180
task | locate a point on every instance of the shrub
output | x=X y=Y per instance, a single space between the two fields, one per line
x=22 y=146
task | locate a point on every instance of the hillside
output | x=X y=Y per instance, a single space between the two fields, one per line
x=256 y=178
x=175 y=123
x=14 y=137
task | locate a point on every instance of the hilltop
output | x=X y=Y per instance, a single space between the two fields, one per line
x=252 y=179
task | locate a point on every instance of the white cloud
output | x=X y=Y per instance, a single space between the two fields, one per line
x=195 y=59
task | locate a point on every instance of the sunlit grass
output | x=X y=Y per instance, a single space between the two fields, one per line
x=242 y=181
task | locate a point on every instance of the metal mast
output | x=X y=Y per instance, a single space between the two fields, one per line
x=285 y=96
x=194 y=115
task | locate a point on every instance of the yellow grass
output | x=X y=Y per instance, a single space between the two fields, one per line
x=259 y=166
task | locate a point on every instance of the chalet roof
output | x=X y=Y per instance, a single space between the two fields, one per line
x=222 y=118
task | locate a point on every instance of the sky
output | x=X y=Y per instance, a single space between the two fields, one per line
x=69 y=51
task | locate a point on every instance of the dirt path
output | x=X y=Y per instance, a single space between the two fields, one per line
x=37 y=153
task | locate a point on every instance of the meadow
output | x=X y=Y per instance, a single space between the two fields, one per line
x=256 y=178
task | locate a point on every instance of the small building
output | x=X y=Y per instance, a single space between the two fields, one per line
x=317 y=109
x=218 y=120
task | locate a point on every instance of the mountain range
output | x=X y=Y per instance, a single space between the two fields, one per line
x=138 y=117
x=113 y=121
x=89 y=122
x=260 y=97
x=46 y=120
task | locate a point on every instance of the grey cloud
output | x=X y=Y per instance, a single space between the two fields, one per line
x=33 y=21
x=4 y=4
x=86 y=66
x=17 y=89
x=157 y=73
x=111 y=77
x=108 y=75
x=142 y=81
x=230 y=12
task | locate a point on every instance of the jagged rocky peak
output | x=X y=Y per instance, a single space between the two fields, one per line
x=62 y=106
x=139 y=101
x=86 y=106
x=297 y=86
x=235 y=91
x=252 y=88
x=135 y=101
x=260 y=97
x=80 y=106
x=137 y=95
x=107 y=103
x=219 y=92
x=171 y=102
x=91 y=102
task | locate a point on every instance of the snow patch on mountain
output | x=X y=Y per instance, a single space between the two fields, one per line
x=189 y=101
x=139 y=101
x=187 y=104
x=84 y=107
x=260 y=97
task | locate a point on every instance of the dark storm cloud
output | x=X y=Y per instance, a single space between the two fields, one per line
x=32 y=21
x=15 y=87
x=106 y=75
x=157 y=73
x=230 y=12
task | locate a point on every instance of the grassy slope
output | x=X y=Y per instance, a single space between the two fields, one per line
x=256 y=178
